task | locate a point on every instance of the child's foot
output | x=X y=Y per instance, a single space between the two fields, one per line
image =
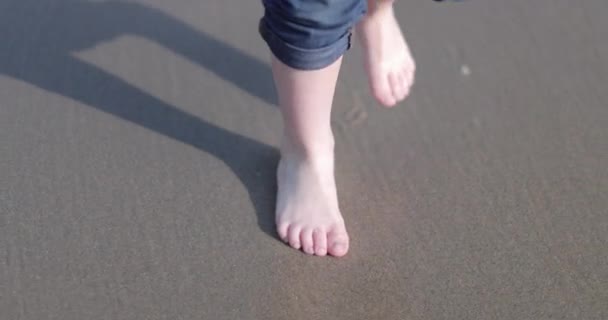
x=390 y=66
x=307 y=215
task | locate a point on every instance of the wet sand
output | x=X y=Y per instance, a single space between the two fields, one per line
x=138 y=145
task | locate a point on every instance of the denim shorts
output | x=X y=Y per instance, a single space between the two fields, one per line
x=309 y=34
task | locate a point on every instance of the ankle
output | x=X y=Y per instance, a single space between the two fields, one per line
x=316 y=150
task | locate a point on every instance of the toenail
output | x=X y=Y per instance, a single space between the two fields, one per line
x=339 y=247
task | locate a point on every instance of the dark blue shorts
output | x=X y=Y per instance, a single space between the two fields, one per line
x=310 y=34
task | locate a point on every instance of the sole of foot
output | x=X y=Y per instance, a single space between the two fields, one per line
x=389 y=63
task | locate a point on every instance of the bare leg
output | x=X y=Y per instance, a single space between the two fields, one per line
x=307 y=212
x=389 y=64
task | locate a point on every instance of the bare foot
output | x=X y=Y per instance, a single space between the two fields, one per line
x=389 y=64
x=308 y=216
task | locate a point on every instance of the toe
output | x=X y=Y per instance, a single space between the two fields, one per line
x=338 y=241
x=306 y=240
x=410 y=72
x=404 y=80
x=294 y=236
x=382 y=91
x=282 y=231
x=396 y=85
x=320 y=239
x=408 y=75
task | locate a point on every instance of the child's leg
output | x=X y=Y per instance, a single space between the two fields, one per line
x=389 y=64
x=308 y=38
x=312 y=35
x=307 y=212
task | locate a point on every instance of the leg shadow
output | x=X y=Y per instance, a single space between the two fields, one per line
x=25 y=57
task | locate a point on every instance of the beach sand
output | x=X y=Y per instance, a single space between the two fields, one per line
x=138 y=147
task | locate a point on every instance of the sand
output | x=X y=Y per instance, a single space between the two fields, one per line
x=138 y=145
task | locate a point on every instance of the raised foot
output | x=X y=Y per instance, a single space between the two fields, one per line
x=388 y=60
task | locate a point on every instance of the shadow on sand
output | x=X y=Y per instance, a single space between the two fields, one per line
x=37 y=40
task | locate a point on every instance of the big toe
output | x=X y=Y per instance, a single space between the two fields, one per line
x=398 y=85
x=338 y=242
x=382 y=90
